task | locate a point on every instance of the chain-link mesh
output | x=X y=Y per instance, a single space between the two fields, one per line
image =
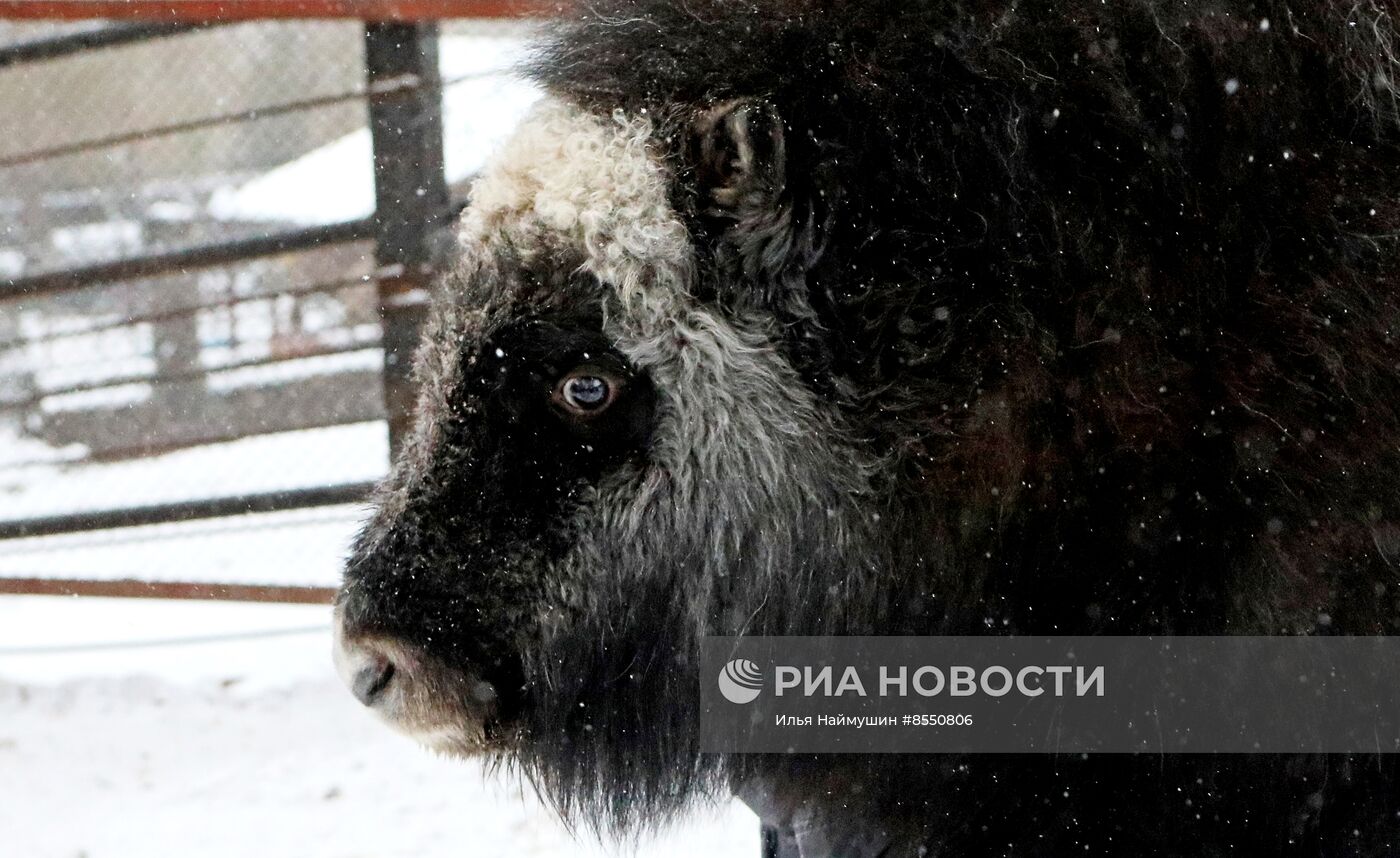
x=251 y=376
x=123 y=149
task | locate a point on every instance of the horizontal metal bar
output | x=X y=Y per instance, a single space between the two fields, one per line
x=389 y=90
x=150 y=536
x=243 y=10
x=54 y=47
x=142 y=135
x=203 y=256
x=130 y=588
x=170 y=513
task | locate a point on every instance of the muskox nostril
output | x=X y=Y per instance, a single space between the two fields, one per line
x=371 y=680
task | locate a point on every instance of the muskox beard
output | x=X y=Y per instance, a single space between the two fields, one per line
x=667 y=556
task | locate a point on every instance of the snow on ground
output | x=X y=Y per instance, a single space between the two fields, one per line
x=263 y=463
x=248 y=747
x=16 y=450
x=297 y=547
x=54 y=640
x=304 y=547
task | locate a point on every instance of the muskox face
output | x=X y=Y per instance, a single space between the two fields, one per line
x=605 y=468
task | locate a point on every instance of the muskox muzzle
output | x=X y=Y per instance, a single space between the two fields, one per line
x=444 y=707
x=412 y=641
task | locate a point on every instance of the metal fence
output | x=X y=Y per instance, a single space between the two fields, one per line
x=217 y=231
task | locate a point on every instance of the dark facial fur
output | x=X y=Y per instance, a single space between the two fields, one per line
x=460 y=536
x=1065 y=318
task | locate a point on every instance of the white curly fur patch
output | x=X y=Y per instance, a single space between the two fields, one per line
x=573 y=177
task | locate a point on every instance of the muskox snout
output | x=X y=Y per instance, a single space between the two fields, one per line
x=449 y=708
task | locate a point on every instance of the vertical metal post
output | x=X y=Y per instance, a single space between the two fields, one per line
x=411 y=199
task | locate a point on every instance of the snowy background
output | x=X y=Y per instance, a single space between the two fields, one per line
x=153 y=728
x=245 y=747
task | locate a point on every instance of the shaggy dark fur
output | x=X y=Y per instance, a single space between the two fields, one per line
x=1111 y=289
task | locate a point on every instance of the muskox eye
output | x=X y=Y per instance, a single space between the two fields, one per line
x=586 y=391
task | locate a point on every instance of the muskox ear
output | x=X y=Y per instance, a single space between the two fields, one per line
x=740 y=159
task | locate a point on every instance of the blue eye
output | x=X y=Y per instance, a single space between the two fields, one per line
x=586 y=391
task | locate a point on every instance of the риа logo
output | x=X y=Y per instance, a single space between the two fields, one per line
x=740 y=681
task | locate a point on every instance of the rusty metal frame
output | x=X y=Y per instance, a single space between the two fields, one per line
x=131 y=588
x=252 y=10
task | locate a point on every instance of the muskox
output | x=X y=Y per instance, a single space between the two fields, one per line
x=939 y=317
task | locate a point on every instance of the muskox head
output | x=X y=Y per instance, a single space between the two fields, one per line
x=821 y=318
x=608 y=461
